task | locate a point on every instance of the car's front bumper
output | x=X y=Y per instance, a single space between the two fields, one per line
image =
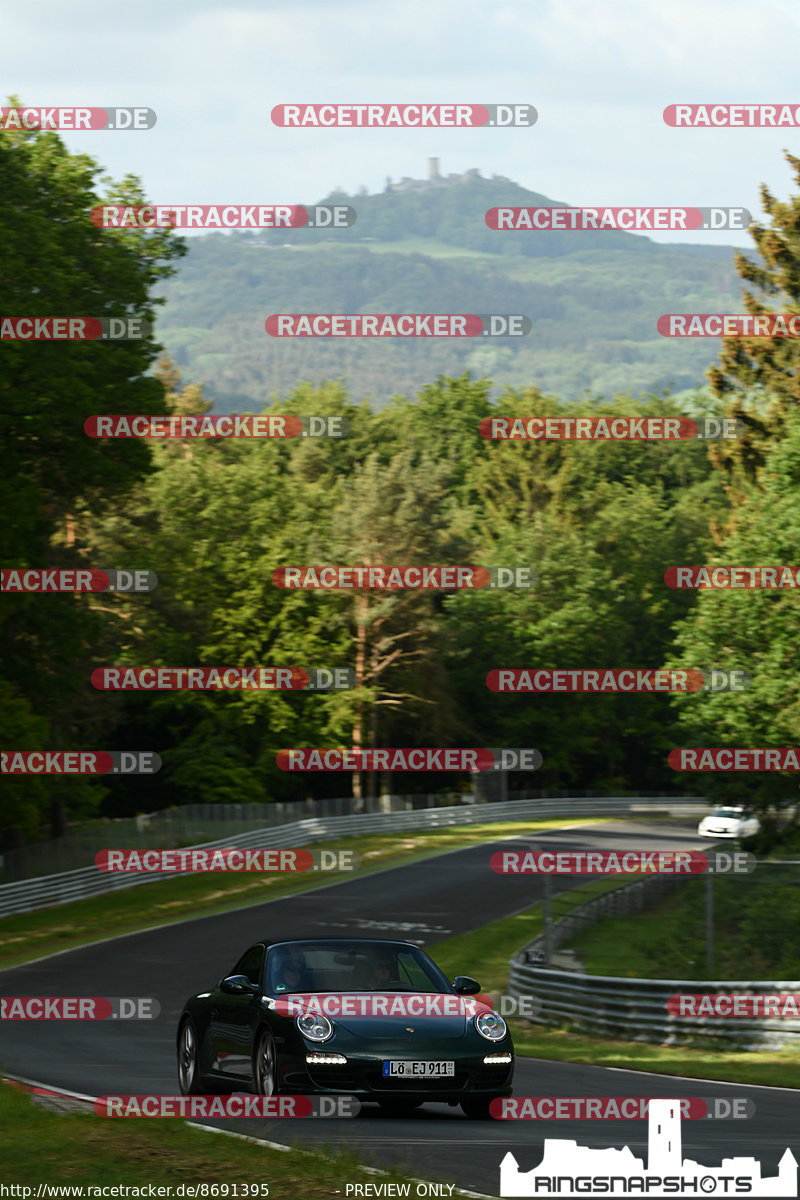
x=362 y=1076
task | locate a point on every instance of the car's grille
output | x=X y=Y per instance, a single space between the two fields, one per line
x=384 y=1083
x=332 y=1076
x=495 y=1076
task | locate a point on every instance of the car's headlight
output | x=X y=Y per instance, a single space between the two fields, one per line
x=315 y=1027
x=491 y=1026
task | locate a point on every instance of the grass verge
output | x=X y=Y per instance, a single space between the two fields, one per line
x=489 y=950
x=83 y=1149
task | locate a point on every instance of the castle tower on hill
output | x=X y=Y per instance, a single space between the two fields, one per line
x=434 y=179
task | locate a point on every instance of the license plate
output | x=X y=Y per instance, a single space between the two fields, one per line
x=405 y=1069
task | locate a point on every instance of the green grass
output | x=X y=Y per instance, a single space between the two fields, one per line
x=492 y=948
x=755 y=923
x=34 y=934
x=42 y=1146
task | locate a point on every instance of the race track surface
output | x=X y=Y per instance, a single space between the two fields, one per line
x=423 y=902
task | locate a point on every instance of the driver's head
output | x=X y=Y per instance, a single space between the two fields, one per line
x=382 y=968
x=291 y=971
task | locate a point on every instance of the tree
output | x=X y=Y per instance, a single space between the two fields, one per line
x=760 y=376
x=56 y=263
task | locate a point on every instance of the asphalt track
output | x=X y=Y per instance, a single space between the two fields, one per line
x=423 y=902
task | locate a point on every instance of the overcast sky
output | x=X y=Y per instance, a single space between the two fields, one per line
x=599 y=72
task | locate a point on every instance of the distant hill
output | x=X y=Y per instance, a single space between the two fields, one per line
x=594 y=298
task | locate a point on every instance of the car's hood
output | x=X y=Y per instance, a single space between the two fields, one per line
x=724 y=823
x=388 y=1014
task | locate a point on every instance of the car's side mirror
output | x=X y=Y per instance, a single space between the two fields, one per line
x=465 y=985
x=239 y=985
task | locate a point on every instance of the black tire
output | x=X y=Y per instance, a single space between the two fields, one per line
x=265 y=1065
x=398 y=1106
x=477 y=1108
x=189 y=1078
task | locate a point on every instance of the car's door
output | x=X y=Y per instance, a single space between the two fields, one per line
x=233 y=1018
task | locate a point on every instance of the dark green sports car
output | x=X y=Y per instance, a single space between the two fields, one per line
x=374 y=1019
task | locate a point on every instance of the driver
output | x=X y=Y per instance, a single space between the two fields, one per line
x=381 y=972
x=291 y=973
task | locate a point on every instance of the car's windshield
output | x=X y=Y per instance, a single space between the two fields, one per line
x=728 y=812
x=351 y=967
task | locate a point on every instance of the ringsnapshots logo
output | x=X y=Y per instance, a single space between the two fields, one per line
x=723 y=578
x=397 y=325
x=631 y=219
x=77 y=119
x=621 y=862
x=737 y=758
x=397 y=578
x=231 y=679
x=226 y=425
x=75 y=579
x=426 y=758
x=223 y=216
x=74 y=329
x=739 y=116
x=194 y=859
x=205 y=1107
x=402 y=116
x=79 y=1008
x=717 y=325
x=568 y=1169
x=616 y=1108
x=79 y=762
x=609 y=429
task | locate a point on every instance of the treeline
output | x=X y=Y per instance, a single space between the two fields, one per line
x=594 y=313
x=412 y=484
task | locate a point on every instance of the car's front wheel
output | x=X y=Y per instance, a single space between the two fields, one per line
x=188 y=1067
x=265 y=1065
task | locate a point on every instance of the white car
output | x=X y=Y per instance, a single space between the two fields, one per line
x=729 y=823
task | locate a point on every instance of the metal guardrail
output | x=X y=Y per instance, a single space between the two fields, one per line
x=636 y=1009
x=85 y=882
